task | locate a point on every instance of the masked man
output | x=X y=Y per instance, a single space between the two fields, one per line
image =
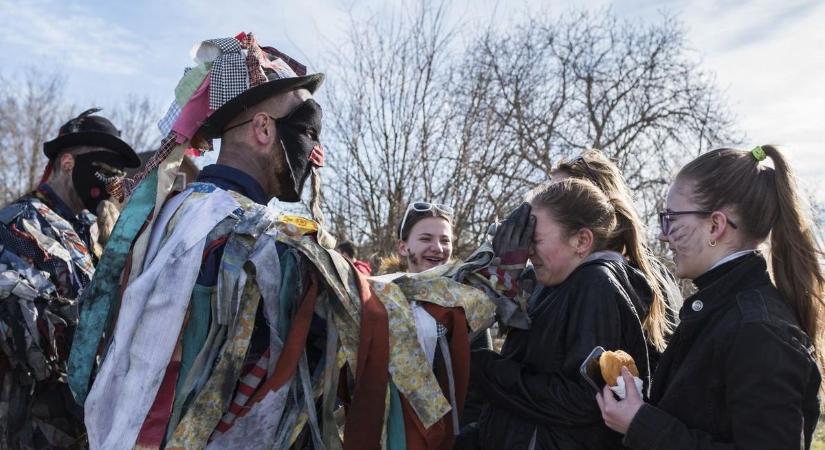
x=224 y=323
x=47 y=239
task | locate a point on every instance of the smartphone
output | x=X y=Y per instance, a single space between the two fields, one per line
x=591 y=371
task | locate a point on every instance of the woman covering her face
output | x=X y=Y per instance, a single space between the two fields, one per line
x=741 y=369
x=535 y=393
x=663 y=299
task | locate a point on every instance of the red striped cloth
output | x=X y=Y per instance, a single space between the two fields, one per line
x=257 y=385
x=246 y=387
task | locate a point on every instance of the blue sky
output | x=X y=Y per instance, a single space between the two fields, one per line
x=767 y=55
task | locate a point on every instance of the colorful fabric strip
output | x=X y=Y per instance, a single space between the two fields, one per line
x=229 y=76
x=98 y=297
x=70 y=241
x=190 y=82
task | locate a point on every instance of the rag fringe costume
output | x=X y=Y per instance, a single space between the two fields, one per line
x=48 y=254
x=45 y=261
x=215 y=321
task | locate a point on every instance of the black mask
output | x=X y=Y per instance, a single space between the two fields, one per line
x=299 y=133
x=89 y=174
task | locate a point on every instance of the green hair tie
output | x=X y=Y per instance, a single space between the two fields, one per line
x=759 y=153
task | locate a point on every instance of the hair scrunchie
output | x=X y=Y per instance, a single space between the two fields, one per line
x=759 y=153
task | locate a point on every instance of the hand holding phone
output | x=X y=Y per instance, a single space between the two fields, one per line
x=591 y=371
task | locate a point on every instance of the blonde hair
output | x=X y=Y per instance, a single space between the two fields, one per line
x=629 y=237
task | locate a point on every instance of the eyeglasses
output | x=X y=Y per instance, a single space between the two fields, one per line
x=666 y=219
x=300 y=109
x=422 y=206
x=225 y=130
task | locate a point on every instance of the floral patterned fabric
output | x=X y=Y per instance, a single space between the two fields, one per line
x=213 y=381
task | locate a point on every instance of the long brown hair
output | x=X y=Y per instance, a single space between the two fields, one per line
x=767 y=203
x=578 y=204
x=629 y=239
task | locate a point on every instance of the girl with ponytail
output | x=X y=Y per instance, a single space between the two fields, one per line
x=663 y=296
x=741 y=370
x=588 y=296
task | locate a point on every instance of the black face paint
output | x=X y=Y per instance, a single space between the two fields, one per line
x=89 y=174
x=299 y=133
x=412 y=258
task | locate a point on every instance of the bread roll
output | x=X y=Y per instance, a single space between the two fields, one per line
x=611 y=364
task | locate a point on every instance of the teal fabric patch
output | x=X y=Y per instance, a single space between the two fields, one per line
x=197 y=328
x=96 y=300
x=396 y=435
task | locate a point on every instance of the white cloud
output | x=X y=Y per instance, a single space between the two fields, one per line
x=769 y=57
x=70 y=36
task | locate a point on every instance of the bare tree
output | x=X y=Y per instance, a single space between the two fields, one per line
x=136 y=117
x=591 y=80
x=416 y=115
x=390 y=115
x=31 y=110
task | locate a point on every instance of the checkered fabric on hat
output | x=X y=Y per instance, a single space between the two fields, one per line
x=229 y=72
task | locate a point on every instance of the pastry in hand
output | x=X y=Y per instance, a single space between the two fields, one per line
x=611 y=364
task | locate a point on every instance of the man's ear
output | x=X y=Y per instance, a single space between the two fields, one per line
x=66 y=162
x=261 y=128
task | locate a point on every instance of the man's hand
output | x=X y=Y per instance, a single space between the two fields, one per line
x=511 y=244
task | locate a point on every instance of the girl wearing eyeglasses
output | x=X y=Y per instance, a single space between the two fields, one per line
x=662 y=298
x=741 y=369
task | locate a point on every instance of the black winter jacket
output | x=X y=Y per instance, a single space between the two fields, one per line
x=535 y=385
x=738 y=373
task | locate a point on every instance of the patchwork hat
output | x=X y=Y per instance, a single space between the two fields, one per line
x=281 y=74
x=230 y=75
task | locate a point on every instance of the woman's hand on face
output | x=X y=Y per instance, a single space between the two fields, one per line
x=618 y=414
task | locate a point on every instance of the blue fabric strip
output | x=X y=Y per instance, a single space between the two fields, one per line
x=99 y=295
x=396 y=435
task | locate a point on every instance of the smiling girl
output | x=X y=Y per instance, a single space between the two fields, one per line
x=425 y=236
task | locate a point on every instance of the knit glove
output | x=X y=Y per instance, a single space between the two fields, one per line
x=511 y=243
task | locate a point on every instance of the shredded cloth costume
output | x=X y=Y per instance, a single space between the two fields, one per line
x=44 y=263
x=223 y=323
x=47 y=257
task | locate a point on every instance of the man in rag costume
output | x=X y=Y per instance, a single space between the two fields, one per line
x=215 y=321
x=48 y=241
